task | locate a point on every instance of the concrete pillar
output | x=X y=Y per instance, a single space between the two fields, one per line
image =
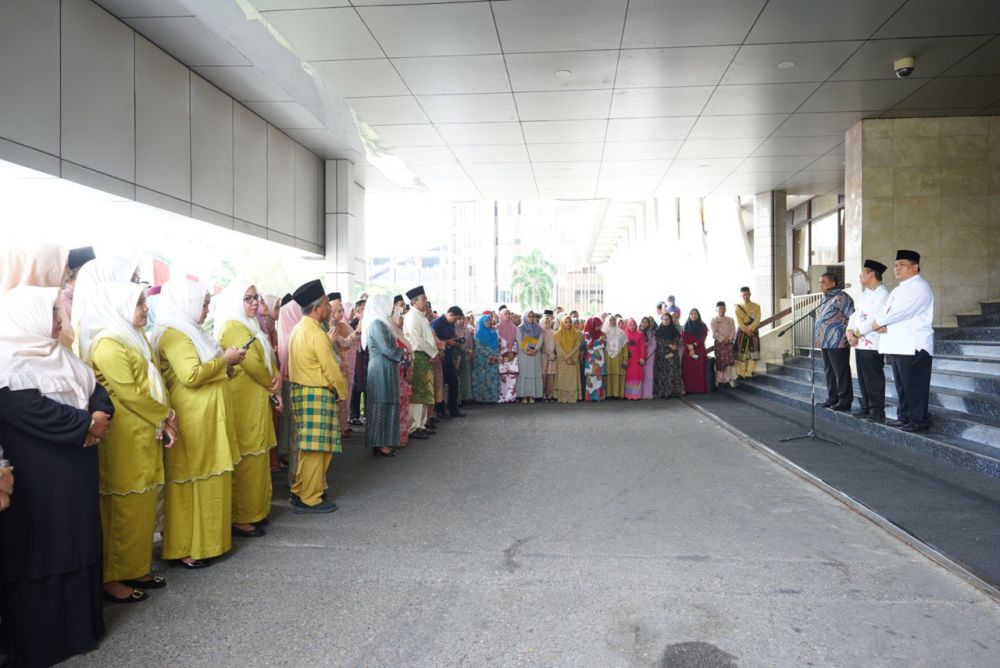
x=345 y=230
x=770 y=250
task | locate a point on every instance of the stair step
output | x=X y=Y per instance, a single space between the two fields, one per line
x=992 y=306
x=963 y=363
x=971 y=455
x=985 y=379
x=979 y=320
x=984 y=350
x=975 y=334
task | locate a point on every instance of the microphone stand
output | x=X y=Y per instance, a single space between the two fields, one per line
x=811 y=434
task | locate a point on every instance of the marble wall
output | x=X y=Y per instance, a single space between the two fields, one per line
x=931 y=185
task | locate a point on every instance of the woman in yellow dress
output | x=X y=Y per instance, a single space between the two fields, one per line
x=616 y=350
x=568 y=342
x=255 y=380
x=130 y=456
x=198 y=491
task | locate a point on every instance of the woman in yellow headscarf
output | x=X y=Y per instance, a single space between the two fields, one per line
x=567 y=362
x=256 y=379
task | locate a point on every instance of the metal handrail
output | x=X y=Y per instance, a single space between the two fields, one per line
x=802 y=333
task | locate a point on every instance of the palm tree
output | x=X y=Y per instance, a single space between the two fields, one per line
x=531 y=279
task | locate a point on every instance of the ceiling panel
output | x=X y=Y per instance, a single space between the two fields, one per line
x=268 y=5
x=725 y=127
x=361 y=78
x=505 y=185
x=956 y=92
x=718 y=148
x=758 y=98
x=634 y=167
x=433 y=29
x=189 y=40
x=689 y=66
x=983 y=62
x=653 y=23
x=479 y=108
x=408 y=135
x=504 y=170
x=398 y=109
x=563 y=105
x=860 y=95
x=579 y=183
x=325 y=34
x=452 y=170
x=559 y=25
x=933 y=17
x=479 y=154
x=583 y=152
x=834 y=162
x=933 y=55
x=704 y=166
x=649 y=129
x=579 y=70
x=799 y=145
x=454 y=74
x=478 y=134
x=566 y=168
x=647 y=102
x=806 y=125
x=813 y=61
x=628 y=182
x=756 y=164
x=443 y=183
x=641 y=150
x=783 y=20
x=543 y=132
x=424 y=155
x=244 y=83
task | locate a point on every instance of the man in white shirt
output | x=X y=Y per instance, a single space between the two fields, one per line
x=906 y=324
x=417 y=331
x=870 y=362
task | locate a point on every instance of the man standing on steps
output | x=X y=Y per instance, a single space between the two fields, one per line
x=906 y=324
x=747 y=338
x=831 y=338
x=869 y=361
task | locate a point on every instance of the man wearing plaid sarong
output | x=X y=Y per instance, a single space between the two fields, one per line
x=316 y=384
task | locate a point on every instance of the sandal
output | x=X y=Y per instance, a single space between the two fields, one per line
x=136 y=596
x=154 y=582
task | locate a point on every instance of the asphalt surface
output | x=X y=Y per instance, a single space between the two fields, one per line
x=613 y=534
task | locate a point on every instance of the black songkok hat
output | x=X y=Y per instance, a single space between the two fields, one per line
x=307 y=293
x=397 y=298
x=333 y=295
x=548 y=311
x=912 y=256
x=80 y=256
x=744 y=289
x=287 y=298
x=875 y=266
x=415 y=292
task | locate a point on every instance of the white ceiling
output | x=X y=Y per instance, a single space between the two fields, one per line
x=599 y=98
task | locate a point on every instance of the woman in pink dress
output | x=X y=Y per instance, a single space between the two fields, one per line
x=635 y=372
x=346 y=342
x=405 y=371
x=647 y=327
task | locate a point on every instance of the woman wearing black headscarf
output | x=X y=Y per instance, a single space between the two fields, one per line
x=695 y=356
x=667 y=369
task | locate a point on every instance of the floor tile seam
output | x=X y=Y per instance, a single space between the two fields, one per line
x=931 y=553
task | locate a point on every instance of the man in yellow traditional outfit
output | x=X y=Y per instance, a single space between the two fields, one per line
x=747 y=338
x=131 y=455
x=255 y=381
x=317 y=383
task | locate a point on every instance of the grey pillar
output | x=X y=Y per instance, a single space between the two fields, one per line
x=345 y=230
x=770 y=251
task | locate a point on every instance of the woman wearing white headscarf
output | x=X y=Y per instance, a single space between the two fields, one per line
x=52 y=413
x=382 y=386
x=198 y=492
x=131 y=456
x=617 y=352
x=254 y=382
x=87 y=298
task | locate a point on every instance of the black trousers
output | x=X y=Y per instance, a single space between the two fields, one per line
x=451 y=381
x=871 y=378
x=839 y=389
x=912 y=375
x=356 y=403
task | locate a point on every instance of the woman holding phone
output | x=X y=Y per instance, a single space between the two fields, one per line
x=255 y=381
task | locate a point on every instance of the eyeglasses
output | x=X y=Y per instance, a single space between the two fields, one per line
x=249 y=299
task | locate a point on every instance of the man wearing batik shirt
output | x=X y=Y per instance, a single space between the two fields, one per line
x=831 y=337
x=869 y=361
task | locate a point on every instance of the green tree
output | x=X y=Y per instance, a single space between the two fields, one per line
x=531 y=280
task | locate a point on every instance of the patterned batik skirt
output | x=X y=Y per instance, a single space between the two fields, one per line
x=317 y=423
x=423 y=380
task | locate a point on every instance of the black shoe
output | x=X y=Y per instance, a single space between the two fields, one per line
x=827 y=404
x=428 y=431
x=378 y=453
x=442 y=416
x=136 y=596
x=320 y=508
x=295 y=501
x=419 y=434
x=877 y=418
x=243 y=533
x=196 y=564
x=895 y=423
x=263 y=523
x=841 y=409
x=914 y=428
x=861 y=413
x=458 y=414
x=155 y=582
x=432 y=422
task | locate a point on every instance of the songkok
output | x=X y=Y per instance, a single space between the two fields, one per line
x=415 y=292
x=912 y=256
x=308 y=293
x=744 y=289
x=80 y=256
x=287 y=298
x=875 y=266
x=548 y=311
x=333 y=295
x=397 y=298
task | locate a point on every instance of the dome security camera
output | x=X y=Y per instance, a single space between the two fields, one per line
x=903 y=67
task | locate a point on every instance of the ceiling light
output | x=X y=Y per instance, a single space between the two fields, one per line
x=786 y=65
x=563 y=74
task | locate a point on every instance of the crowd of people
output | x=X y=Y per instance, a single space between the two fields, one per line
x=124 y=415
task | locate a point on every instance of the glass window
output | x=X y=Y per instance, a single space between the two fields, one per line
x=800 y=248
x=826 y=239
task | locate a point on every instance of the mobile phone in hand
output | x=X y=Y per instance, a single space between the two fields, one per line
x=246 y=346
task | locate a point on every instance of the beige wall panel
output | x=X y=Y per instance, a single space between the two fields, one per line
x=307 y=196
x=211 y=147
x=249 y=166
x=280 y=182
x=162 y=122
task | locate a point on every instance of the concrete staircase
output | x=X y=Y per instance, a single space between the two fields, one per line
x=964 y=402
